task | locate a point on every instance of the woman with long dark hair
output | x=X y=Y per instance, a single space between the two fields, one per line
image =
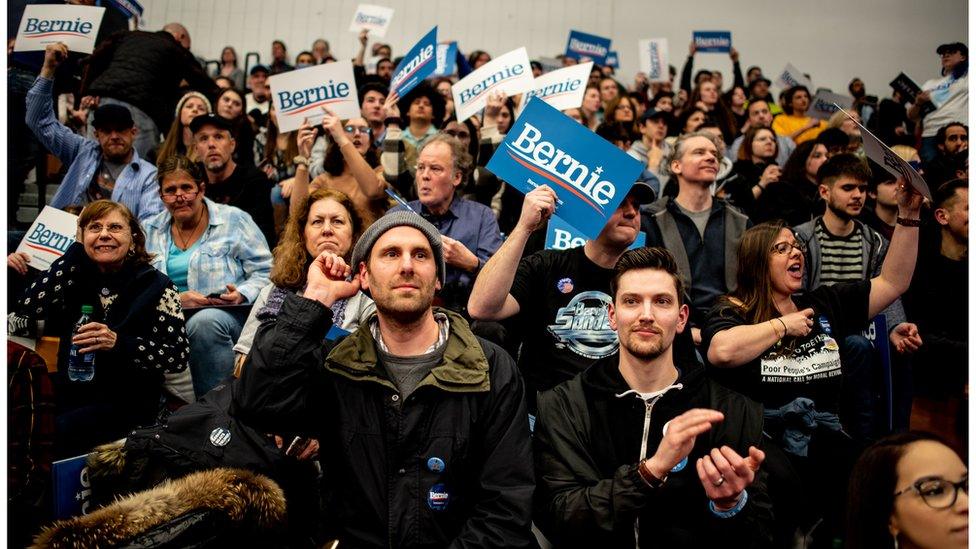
x=706 y=97
x=795 y=198
x=179 y=138
x=230 y=105
x=908 y=490
x=781 y=347
x=756 y=168
x=229 y=67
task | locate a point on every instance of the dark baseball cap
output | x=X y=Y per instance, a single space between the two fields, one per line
x=758 y=80
x=953 y=46
x=651 y=114
x=260 y=68
x=112 y=117
x=210 y=119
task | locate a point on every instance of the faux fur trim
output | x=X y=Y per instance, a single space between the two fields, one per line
x=245 y=497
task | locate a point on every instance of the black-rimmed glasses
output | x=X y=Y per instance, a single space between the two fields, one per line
x=169 y=198
x=783 y=248
x=938 y=493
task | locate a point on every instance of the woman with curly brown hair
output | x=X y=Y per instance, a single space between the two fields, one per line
x=326 y=220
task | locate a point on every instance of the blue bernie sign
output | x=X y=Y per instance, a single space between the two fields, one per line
x=560 y=235
x=712 y=41
x=446 y=59
x=417 y=65
x=589 y=175
x=588 y=46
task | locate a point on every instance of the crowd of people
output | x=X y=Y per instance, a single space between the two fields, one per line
x=366 y=314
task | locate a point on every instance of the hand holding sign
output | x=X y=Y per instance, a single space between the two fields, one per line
x=305 y=139
x=391 y=107
x=496 y=100
x=18 y=261
x=537 y=208
x=54 y=54
x=333 y=124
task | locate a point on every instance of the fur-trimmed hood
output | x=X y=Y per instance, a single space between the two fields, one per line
x=247 y=499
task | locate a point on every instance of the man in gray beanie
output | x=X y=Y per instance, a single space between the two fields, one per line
x=423 y=426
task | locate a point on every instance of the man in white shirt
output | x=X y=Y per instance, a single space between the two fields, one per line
x=949 y=95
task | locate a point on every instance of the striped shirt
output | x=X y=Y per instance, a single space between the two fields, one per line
x=840 y=256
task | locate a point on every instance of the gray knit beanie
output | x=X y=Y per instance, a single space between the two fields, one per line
x=397 y=219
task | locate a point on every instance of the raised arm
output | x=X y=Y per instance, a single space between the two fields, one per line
x=361 y=54
x=899 y=262
x=393 y=157
x=55 y=137
x=371 y=185
x=491 y=298
x=299 y=188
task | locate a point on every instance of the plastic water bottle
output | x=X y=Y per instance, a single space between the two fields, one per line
x=81 y=367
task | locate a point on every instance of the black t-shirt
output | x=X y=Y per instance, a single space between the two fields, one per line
x=249 y=189
x=563 y=298
x=798 y=367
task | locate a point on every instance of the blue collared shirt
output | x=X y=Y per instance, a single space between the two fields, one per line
x=136 y=186
x=232 y=250
x=470 y=223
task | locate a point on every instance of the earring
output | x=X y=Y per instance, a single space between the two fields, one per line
x=132 y=252
x=895 y=537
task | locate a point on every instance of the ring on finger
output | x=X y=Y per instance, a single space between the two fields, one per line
x=721 y=481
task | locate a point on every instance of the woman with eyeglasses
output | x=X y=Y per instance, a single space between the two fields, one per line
x=351 y=163
x=136 y=330
x=218 y=259
x=908 y=490
x=780 y=347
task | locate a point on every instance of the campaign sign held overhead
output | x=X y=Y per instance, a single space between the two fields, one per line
x=613 y=60
x=588 y=46
x=712 y=41
x=876 y=150
x=791 y=76
x=589 y=175
x=417 y=65
x=374 y=18
x=298 y=95
x=653 y=55
x=564 y=88
x=446 y=59
x=76 y=26
x=824 y=104
x=560 y=235
x=509 y=73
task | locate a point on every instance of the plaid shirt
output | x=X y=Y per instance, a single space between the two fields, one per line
x=136 y=186
x=232 y=250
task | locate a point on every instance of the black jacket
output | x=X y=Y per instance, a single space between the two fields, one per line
x=146 y=70
x=469 y=412
x=587 y=446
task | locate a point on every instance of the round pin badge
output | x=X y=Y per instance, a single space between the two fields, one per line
x=435 y=465
x=438 y=497
x=219 y=437
x=681 y=465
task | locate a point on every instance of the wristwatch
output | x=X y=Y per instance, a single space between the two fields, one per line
x=648 y=477
x=300 y=160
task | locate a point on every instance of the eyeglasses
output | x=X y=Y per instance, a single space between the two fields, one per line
x=458 y=134
x=433 y=168
x=358 y=129
x=171 y=196
x=114 y=228
x=938 y=493
x=783 y=248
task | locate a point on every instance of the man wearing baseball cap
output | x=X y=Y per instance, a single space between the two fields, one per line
x=240 y=185
x=558 y=296
x=949 y=95
x=105 y=167
x=423 y=424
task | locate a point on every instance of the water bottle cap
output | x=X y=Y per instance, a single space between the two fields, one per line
x=87 y=309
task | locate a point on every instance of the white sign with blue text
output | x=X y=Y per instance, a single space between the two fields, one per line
x=300 y=95
x=876 y=150
x=510 y=74
x=49 y=237
x=712 y=41
x=76 y=26
x=588 y=46
x=417 y=65
x=791 y=76
x=563 y=89
x=560 y=235
x=589 y=175
x=446 y=59
x=824 y=104
x=376 y=19
x=653 y=53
